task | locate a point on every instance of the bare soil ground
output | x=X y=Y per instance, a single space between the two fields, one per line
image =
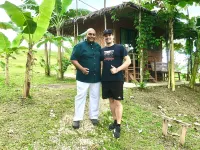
x=181 y=103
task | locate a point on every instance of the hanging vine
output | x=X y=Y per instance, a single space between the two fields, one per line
x=147 y=39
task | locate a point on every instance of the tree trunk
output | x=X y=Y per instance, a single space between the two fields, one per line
x=172 y=78
x=194 y=70
x=191 y=62
x=141 y=50
x=188 y=70
x=167 y=51
x=27 y=80
x=7 y=70
x=49 y=56
x=169 y=63
x=167 y=36
x=169 y=75
x=196 y=63
x=167 y=41
x=46 y=55
x=59 y=60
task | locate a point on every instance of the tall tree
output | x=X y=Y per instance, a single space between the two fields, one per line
x=196 y=55
x=7 y=48
x=170 y=7
x=11 y=47
x=57 y=21
x=47 y=39
x=32 y=28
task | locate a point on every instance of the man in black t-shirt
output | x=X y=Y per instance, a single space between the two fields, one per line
x=115 y=59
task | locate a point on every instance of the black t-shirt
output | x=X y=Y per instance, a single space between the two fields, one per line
x=114 y=56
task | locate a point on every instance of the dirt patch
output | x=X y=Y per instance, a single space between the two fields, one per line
x=57 y=86
x=183 y=103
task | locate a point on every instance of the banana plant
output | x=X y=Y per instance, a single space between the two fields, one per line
x=32 y=28
x=59 y=16
x=57 y=21
x=31 y=5
x=58 y=41
x=46 y=63
x=7 y=50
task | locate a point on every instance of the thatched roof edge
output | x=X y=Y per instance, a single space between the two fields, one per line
x=107 y=10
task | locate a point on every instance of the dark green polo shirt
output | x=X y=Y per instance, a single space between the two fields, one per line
x=88 y=56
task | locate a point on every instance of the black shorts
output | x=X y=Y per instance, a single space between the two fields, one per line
x=112 y=89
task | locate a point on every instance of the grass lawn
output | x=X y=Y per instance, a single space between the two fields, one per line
x=44 y=120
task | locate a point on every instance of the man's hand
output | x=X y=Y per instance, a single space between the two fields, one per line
x=85 y=71
x=113 y=70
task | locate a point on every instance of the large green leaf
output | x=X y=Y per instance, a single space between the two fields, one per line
x=198 y=23
x=42 y=42
x=9 y=25
x=43 y=19
x=19 y=17
x=65 y=4
x=58 y=7
x=6 y=25
x=4 y=42
x=15 y=14
x=30 y=4
x=182 y=4
x=17 y=40
x=30 y=27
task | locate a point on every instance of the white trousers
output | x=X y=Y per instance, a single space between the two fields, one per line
x=80 y=100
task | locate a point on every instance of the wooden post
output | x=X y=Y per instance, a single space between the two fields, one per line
x=184 y=125
x=165 y=126
x=134 y=69
x=75 y=38
x=156 y=78
x=183 y=134
x=105 y=25
x=126 y=75
x=77 y=18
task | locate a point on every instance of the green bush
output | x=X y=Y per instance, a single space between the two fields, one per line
x=65 y=63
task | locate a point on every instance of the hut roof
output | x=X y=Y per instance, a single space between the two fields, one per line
x=108 y=10
x=124 y=10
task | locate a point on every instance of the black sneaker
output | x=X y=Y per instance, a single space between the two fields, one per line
x=76 y=124
x=116 y=132
x=95 y=121
x=112 y=126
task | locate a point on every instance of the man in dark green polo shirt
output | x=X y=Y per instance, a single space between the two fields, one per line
x=86 y=58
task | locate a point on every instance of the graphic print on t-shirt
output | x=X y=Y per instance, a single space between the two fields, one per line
x=109 y=55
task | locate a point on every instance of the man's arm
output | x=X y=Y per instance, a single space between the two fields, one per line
x=101 y=67
x=126 y=63
x=81 y=68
